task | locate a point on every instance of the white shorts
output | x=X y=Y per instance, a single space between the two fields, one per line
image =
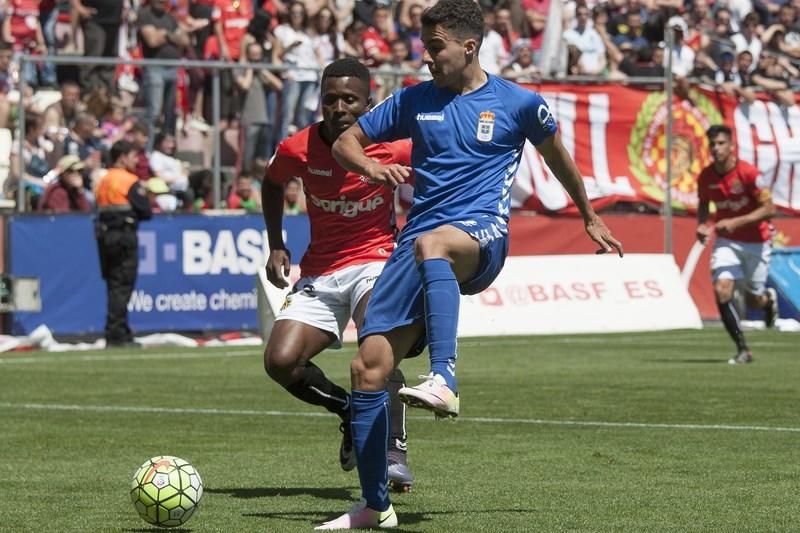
x=742 y=260
x=327 y=302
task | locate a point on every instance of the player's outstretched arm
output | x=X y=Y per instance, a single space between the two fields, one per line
x=348 y=150
x=565 y=170
x=278 y=263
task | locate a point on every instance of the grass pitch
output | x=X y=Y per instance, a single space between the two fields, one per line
x=630 y=433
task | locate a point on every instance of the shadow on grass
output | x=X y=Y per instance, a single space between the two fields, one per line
x=341 y=494
x=406 y=519
x=691 y=361
x=154 y=528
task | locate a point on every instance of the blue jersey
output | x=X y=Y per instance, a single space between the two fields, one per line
x=465 y=148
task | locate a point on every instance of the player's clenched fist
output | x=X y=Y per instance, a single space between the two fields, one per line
x=390 y=175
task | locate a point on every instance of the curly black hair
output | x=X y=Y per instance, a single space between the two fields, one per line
x=347 y=67
x=462 y=17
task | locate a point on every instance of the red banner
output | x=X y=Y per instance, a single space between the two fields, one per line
x=617 y=136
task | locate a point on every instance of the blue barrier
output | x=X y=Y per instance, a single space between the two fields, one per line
x=196 y=272
x=784 y=275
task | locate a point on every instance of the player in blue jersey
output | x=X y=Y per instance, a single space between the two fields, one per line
x=468 y=129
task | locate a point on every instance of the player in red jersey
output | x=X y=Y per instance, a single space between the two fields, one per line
x=352 y=235
x=744 y=241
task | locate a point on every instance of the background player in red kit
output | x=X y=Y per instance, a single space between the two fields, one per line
x=352 y=235
x=744 y=241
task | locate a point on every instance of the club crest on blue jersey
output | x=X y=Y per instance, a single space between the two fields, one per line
x=485 y=126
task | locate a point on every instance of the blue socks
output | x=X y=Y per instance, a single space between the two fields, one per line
x=442 y=300
x=370 y=425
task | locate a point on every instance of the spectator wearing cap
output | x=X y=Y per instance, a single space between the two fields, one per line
x=747 y=39
x=65 y=194
x=161 y=38
x=587 y=41
x=522 y=68
x=720 y=36
x=682 y=55
x=100 y=21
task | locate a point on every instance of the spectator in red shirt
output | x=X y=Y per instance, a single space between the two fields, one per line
x=139 y=139
x=65 y=194
x=21 y=28
x=230 y=19
x=376 y=39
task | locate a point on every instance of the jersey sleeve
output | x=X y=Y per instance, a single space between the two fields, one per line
x=386 y=121
x=536 y=119
x=754 y=184
x=283 y=167
x=401 y=151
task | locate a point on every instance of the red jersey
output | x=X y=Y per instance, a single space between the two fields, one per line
x=735 y=194
x=352 y=222
x=235 y=17
x=374 y=43
x=24 y=19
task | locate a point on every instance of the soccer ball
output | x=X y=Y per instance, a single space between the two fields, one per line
x=166 y=491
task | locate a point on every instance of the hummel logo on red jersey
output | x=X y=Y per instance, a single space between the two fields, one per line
x=320 y=171
x=347 y=208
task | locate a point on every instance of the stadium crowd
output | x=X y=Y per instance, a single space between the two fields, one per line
x=80 y=111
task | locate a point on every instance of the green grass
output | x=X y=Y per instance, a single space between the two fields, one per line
x=629 y=433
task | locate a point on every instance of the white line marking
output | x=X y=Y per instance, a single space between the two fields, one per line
x=301 y=414
x=71 y=357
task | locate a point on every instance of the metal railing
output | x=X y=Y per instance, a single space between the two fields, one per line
x=216 y=66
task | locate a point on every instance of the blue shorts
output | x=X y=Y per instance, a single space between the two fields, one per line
x=398 y=297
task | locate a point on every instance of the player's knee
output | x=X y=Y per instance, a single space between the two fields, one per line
x=427 y=246
x=280 y=364
x=723 y=291
x=368 y=373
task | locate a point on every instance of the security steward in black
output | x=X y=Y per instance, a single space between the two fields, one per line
x=121 y=203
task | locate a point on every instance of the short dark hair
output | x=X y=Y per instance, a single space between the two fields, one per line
x=462 y=17
x=120 y=148
x=140 y=127
x=348 y=67
x=719 y=129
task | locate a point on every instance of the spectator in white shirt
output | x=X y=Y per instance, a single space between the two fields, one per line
x=492 y=54
x=682 y=55
x=588 y=42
